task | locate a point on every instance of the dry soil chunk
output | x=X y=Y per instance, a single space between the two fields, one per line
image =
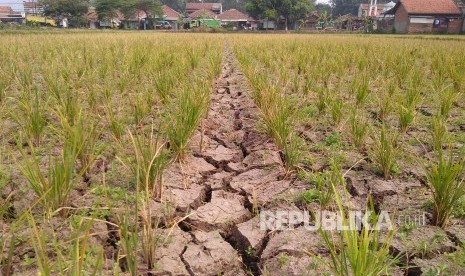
x=284 y=264
x=250 y=180
x=248 y=235
x=186 y=199
x=223 y=212
x=293 y=242
x=263 y=158
x=211 y=255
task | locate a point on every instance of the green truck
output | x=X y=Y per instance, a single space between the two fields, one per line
x=212 y=23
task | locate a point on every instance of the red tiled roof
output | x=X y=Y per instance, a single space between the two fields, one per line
x=195 y=6
x=233 y=15
x=32 y=5
x=202 y=13
x=430 y=7
x=169 y=13
x=6 y=9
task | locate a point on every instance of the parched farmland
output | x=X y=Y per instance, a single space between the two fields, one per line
x=221 y=154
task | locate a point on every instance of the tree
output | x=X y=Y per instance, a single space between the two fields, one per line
x=108 y=8
x=322 y=7
x=288 y=10
x=73 y=10
x=343 y=7
x=65 y=8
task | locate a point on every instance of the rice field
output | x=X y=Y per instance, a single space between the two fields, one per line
x=155 y=153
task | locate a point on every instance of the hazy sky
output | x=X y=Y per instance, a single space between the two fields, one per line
x=17 y=5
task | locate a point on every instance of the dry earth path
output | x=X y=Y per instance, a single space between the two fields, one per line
x=235 y=171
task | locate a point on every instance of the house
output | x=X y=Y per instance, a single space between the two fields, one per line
x=427 y=16
x=237 y=19
x=311 y=22
x=33 y=8
x=7 y=15
x=363 y=10
x=216 y=8
x=203 y=13
x=171 y=16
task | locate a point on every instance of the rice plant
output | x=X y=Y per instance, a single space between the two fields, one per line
x=358 y=129
x=150 y=159
x=337 y=109
x=446 y=100
x=406 y=117
x=54 y=186
x=385 y=152
x=439 y=132
x=186 y=113
x=445 y=178
x=32 y=118
x=354 y=252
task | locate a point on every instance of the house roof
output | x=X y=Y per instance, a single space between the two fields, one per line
x=193 y=6
x=32 y=5
x=6 y=9
x=233 y=15
x=203 y=13
x=366 y=6
x=428 y=7
x=169 y=13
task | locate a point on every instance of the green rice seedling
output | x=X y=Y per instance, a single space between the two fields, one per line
x=7 y=247
x=150 y=238
x=184 y=117
x=128 y=242
x=385 y=105
x=81 y=260
x=40 y=244
x=164 y=83
x=32 y=117
x=337 y=109
x=293 y=152
x=360 y=89
x=323 y=99
x=406 y=117
x=358 y=129
x=385 y=152
x=150 y=159
x=439 y=132
x=447 y=99
x=193 y=58
x=358 y=253
x=115 y=124
x=84 y=134
x=445 y=178
x=141 y=109
x=52 y=188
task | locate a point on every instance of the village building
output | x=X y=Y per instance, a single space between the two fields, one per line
x=8 y=15
x=363 y=10
x=33 y=8
x=427 y=16
x=171 y=16
x=237 y=19
x=215 y=8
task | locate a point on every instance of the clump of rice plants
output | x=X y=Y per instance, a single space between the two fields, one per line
x=406 y=117
x=150 y=159
x=385 y=152
x=439 y=132
x=358 y=129
x=54 y=186
x=32 y=118
x=445 y=178
x=184 y=117
x=358 y=252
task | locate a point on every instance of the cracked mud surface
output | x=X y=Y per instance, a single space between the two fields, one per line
x=234 y=169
